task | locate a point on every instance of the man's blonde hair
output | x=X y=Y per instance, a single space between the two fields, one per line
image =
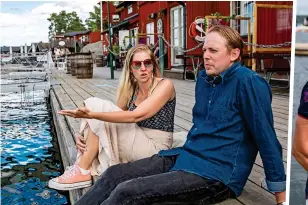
x=127 y=81
x=233 y=38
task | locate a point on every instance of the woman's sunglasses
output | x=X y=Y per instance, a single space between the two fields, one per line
x=137 y=64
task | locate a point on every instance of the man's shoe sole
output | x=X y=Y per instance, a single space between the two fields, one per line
x=64 y=187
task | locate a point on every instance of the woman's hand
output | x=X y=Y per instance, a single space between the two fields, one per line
x=82 y=112
x=81 y=144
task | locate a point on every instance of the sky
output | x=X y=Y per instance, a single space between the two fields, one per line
x=25 y=22
x=302 y=7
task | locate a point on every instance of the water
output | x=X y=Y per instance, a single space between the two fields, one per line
x=29 y=151
x=298 y=174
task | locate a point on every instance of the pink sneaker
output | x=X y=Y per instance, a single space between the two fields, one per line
x=71 y=179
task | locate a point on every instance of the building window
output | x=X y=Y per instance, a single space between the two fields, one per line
x=244 y=9
x=133 y=34
x=150 y=30
x=177 y=34
x=235 y=9
x=284 y=19
x=130 y=9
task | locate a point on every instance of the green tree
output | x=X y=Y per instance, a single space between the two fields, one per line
x=64 y=22
x=94 y=21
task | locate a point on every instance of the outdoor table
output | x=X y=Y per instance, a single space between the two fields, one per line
x=278 y=64
x=195 y=65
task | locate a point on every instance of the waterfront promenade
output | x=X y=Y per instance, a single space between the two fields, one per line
x=69 y=93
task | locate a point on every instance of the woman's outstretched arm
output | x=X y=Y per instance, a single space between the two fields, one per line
x=148 y=108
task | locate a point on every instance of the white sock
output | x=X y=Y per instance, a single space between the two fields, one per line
x=83 y=171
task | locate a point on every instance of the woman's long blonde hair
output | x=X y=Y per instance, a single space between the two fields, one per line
x=128 y=82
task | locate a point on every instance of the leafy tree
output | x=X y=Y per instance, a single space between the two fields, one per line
x=94 y=21
x=64 y=22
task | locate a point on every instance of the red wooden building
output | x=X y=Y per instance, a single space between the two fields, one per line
x=94 y=36
x=273 y=24
x=104 y=19
x=82 y=36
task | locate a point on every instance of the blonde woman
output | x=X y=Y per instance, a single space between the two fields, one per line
x=139 y=126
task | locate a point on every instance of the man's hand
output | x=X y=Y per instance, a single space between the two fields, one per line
x=82 y=112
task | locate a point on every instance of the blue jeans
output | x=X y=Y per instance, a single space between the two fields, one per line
x=149 y=181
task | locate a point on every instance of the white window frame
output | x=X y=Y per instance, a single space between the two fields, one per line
x=246 y=10
x=130 y=9
x=180 y=27
x=133 y=33
x=150 y=30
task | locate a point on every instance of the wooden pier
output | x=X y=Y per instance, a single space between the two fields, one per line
x=71 y=92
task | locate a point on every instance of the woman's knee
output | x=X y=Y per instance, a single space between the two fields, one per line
x=99 y=105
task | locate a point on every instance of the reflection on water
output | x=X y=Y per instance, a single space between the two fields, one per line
x=29 y=152
x=298 y=174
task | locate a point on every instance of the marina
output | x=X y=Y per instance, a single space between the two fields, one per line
x=29 y=149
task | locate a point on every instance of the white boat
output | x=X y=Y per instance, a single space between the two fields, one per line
x=26 y=72
x=24 y=87
x=302 y=28
x=21 y=69
x=26 y=75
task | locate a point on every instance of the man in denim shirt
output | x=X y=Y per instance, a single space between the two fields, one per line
x=232 y=121
x=300 y=144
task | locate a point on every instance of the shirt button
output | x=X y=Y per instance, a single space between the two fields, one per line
x=210 y=101
x=214 y=85
x=195 y=129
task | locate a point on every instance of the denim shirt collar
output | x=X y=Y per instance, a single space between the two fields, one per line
x=222 y=76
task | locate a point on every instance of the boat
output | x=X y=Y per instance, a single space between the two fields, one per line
x=303 y=27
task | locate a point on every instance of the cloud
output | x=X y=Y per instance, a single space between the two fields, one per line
x=32 y=26
x=15 y=9
x=302 y=7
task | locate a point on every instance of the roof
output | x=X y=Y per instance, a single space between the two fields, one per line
x=69 y=43
x=105 y=31
x=125 y=21
x=40 y=46
x=124 y=3
x=59 y=35
x=7 y=48
x=43 y=46
x=120 y=24
x=75 y=33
